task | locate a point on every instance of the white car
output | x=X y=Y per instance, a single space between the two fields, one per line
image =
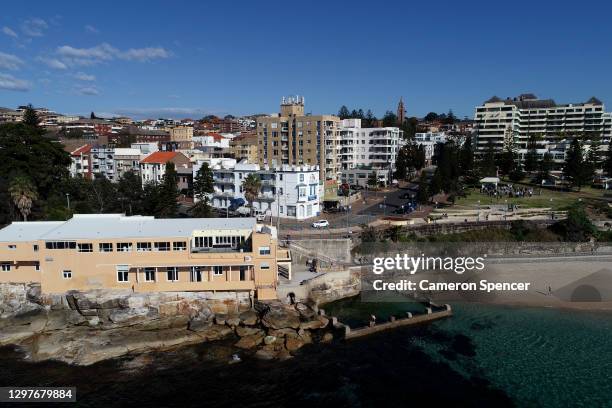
x=320 y=224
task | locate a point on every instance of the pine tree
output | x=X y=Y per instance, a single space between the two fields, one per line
x=531 y=157
x=545 y=166
x=574 y=168
x=30 y=117
x=203 y=185
x=343 y=113
x=167 y=206
x=607 y=166
x=487 y=165
x=423 y=193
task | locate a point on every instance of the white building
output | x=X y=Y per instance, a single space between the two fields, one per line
x=429 y=141
x=514 y=121
x=374 y=148
x=287 y=191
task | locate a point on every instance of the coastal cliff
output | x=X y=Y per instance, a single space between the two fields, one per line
x=86 y=327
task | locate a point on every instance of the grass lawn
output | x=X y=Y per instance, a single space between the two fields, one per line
x=557 y=200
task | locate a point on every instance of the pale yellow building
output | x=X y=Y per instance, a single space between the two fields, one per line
x=293 y=137
x=144 y=254
x=245 y=147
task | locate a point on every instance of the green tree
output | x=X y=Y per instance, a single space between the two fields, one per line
x=389 y=119
x=545 y=166
x=531 y=157
x=251 y=185
x=23 y=193
x=130 y=193
x=167 y=205
x=594 y=162
x=577 y=227
x=203 y=185
x=607 y=166
x=30 y=117
x=104 y=197
x=372 y=180
x=487 y=165
x=409 y=127
x=430 y=117
x=423 y=193
x=369 y=120
x=574 y=168
x=343 y=113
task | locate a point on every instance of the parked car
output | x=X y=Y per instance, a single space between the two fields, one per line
x=320 y=224
x=407 y=195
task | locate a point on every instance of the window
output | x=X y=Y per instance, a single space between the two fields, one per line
x=106 y=247
x=85 y=247
x=217 y=270
x=122 y=273
x=172 y=274
x=179 y=246
x=162 y=246
x=264 y=266
x=67 y=274
x=143 y=246
x=203 y=242
x=35 y=248
x=12 y=246
x=243 y=272
x=264 y=250
x=149 y=274
x=196 y=274
x=37 y=266
x=5 y=267
x=60 y=245
x=301 y=178
x=124 y=246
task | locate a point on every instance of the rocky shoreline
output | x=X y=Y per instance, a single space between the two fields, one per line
x=83 y=328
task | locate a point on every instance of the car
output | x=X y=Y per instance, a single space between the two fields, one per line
x=320 y=224
x=407 y=195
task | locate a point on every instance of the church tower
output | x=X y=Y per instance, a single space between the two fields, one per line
x=401 y=112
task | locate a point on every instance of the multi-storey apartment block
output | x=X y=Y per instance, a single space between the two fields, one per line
x=153 y=167
x=295 y=138
x=143 y=254
x=513 y=121
x=286 y=191
x=244 y=147
x=80 y=164
x=371 y=147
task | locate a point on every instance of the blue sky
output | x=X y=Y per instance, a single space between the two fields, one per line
x=188 y=58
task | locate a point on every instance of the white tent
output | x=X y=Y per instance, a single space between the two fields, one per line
x=489 y=180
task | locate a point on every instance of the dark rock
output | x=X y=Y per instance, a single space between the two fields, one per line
x=249 y=342
x=249 y=318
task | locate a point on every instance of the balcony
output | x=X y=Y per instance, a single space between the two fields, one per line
x=265 y=197
x=224 y=194
x=224 y=180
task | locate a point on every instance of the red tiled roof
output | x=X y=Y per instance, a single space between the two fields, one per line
x=159 y=157
x=83 y=149
x=217 y=137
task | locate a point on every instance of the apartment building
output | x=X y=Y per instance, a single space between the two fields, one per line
x=512 y=121
x=376 y=148
x=181 y=137
x=429 y=141
x=143 y=254
x=153 y=167
x=80 y=164
x=286 y=191
x=244 y=147
x=126 y=159
x=294 y=138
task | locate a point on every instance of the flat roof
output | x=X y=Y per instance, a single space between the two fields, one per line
x=27 y=231
x=100 y=226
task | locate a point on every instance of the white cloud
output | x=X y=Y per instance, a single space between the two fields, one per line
x=11 y=83
x=52 y=63
x=8 y=31
x=9 y=61
x=91 y=29
x=106 y=52
x=171 y=112
x=88 y=90
x=34 y=27
x=144 y=54
x=84 y=77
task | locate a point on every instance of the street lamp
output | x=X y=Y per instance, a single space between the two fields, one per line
x=385 y=205
x=68 y=200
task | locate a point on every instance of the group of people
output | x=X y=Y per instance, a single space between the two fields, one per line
x=506 y=191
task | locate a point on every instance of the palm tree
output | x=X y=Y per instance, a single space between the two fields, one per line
x=23 y=193
x=251 y=186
